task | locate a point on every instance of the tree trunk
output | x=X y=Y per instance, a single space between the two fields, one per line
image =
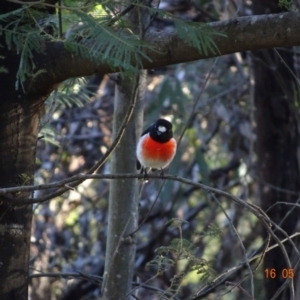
x=123 y=198
x=19 y=125
x=276 y=146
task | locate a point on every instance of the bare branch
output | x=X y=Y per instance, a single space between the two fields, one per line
x=241 y=243
x=241 y=34
x=97 y=280
x=228 y=283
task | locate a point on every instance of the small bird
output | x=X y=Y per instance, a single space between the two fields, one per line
x=156 y=147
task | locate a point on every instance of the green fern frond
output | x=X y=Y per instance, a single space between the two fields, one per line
x=182 y=245
x=11 y=16
x=32 y=43
x=49 y=135
x=102 y=37
x=195 y=34
x=287 y=4
x=213 y=231
x=93 y=39
x=70 y=94
x=70 y=100
x=176 y=222
x=161 y=262
x=176 y=283
x=21 y=35
x=203 y=268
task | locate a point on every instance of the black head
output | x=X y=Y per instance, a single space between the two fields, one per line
x=161 y=131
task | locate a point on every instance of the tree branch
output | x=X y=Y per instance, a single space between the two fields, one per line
x=249 y=33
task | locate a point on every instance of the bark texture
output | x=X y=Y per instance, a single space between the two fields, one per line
x=123 y=197
x=276 y=146
x=241 y=34
x=19 y=125
x=20 y=112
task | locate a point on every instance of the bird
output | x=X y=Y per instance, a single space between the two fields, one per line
x=156 y=147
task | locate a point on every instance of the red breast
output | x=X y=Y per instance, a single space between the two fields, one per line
x=155 y=154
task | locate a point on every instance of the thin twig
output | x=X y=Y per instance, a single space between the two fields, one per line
x=217 y=282
x=178 y=144
x=188 y=122
x=241 y=243
x=287 y=66
x=75 y=180
x=96 y=279
x=228 y=283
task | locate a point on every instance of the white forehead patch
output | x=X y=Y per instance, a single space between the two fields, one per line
x=162 y=128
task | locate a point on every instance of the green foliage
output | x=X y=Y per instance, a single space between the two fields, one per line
x=25 y=179
x=94 y=31
x=161 y=262
x=213 y=231
x=101 y=43
x=287 y=4
x=195 y=34
x=24 y=38
x=176 y=283
x=70 y=93
x=181 y=249
x=49 y=135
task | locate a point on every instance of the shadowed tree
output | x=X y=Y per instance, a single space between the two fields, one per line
x=277 y=142
x=20 y=114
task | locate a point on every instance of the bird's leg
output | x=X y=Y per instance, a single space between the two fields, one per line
x=162 y=173
x=146 y=178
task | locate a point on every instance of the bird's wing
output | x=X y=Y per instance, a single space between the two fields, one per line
x=147 y=130
x=138 y=164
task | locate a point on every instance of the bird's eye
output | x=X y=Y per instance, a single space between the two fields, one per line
x=162 y=128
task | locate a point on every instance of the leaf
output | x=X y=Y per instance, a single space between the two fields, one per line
x=176 y=222
x=119 y=47
x=195 y=34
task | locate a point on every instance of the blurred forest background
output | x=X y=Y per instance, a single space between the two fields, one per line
x=212 y=103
